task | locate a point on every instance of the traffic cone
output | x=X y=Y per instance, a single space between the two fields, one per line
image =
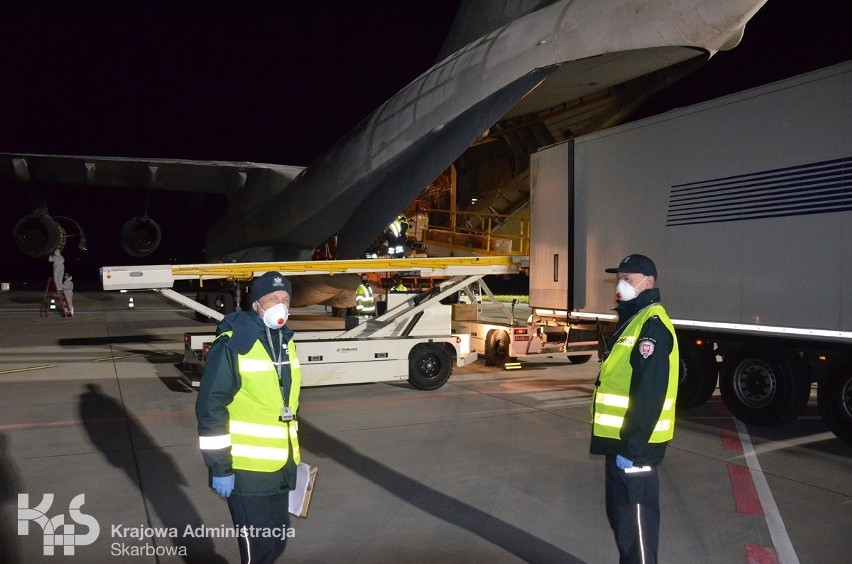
x=130 y=304
x=52 y=304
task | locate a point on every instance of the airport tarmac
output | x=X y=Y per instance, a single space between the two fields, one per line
x=492 y=467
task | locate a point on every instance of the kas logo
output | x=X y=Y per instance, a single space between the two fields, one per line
x=56 y=531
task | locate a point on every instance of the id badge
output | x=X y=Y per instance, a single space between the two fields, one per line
x=286 y=414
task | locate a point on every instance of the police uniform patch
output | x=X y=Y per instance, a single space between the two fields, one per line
x=646 y=347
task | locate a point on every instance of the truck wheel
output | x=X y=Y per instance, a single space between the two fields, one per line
x=763 y=385
x=699 y=373
x=834 y=399
x=580 y=359
x=429 y=366
x=497 y=353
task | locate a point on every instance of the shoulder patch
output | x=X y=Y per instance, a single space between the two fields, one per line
x=647 y=347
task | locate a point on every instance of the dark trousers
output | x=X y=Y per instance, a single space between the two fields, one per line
x=633 y=510
x=263 y=522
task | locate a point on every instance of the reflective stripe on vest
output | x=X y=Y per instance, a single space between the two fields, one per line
x=611 y=399
x=259 y=439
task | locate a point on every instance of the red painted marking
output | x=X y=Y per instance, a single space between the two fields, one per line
x=760 y=555
x=745 y=494
x=730 y=437
x=719 y=406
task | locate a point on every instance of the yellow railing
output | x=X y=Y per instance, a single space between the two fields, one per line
x=474 y=232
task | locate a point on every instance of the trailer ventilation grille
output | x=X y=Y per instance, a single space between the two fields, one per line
x=822 y=187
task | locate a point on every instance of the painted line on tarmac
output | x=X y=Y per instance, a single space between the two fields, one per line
x=28 y=368
x=780 y=538
x=119 y=357
x=746 y=499
x=361 y=401
x=77 y=422
x=153 y=416
x=106 y=358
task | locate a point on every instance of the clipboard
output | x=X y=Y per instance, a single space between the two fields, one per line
x=300 y=498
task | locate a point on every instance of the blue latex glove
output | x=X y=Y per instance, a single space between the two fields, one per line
x=620 y=461
x=223 y=485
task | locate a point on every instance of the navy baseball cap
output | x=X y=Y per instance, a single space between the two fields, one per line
x=636 y=264
x=270 y=282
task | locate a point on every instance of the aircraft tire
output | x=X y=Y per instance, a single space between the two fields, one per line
x=205 y=298
x=227 y=301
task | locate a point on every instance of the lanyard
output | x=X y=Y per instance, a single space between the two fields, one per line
x=279 y=360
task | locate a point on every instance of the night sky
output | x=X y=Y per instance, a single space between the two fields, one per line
x=261 y=81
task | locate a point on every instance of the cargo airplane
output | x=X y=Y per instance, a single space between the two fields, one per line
x=520 y=74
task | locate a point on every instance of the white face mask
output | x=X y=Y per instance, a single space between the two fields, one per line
x=276 y=316
x=625 y=292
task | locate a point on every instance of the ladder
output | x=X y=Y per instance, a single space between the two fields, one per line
x=51 y=294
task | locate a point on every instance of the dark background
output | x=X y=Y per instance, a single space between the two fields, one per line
x=262 y=81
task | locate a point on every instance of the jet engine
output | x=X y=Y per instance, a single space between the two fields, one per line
x=140 y=236
x=38 y=234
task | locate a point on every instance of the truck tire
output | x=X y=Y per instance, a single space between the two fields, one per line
x=834 y=399
x=582 y=359
x=497 y=352
x=764 y=385
x=429 y=366
x=699 y=373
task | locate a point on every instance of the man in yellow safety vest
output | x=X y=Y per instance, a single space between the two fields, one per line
x=365 y=303
x=633 y=408
x=398 y=286
x=247 y=408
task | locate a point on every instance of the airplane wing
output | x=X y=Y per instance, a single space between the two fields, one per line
x=38 y=234
x=218 y=177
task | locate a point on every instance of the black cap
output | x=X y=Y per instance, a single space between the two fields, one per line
x=638 y=264
x=268 y=283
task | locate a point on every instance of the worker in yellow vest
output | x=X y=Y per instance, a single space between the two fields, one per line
x=633 y=408
x=398 y=286
x=365 y=303
x=247 y=409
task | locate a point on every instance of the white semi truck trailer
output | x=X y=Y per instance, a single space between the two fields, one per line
x=745 y=205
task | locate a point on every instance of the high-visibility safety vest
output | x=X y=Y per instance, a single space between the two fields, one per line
x=364 y=302
x=260 y=441
x=395 y=228
x=611 y=399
